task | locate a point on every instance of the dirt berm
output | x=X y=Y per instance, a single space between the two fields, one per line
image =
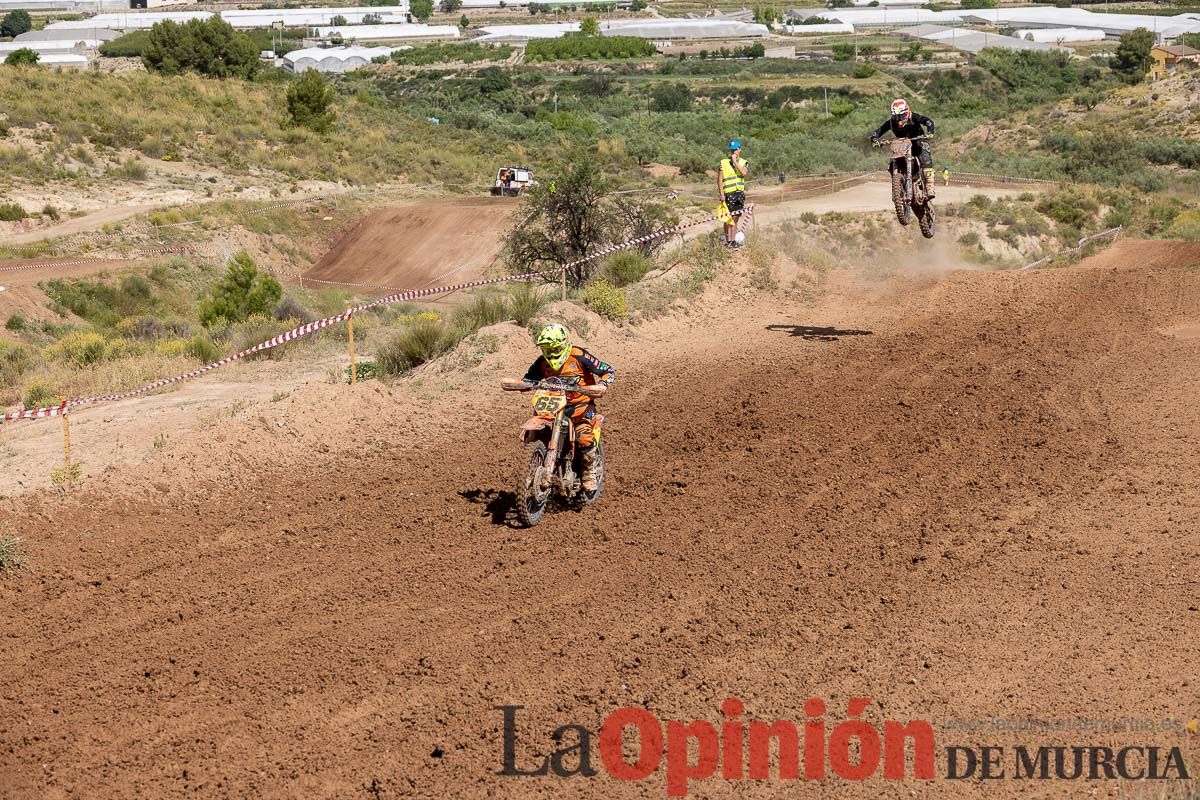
x=409 y=245
x=966 y=496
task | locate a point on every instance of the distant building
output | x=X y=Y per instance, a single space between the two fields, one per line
x=1167 y=59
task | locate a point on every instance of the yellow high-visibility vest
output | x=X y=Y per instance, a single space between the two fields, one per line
x=731 y=179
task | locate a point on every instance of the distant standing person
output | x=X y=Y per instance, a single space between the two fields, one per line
x=945 y=176
x=731 y=183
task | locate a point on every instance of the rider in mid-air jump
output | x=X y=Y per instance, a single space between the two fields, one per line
x=904 y=124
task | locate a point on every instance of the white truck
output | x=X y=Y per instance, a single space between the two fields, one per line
x=512 y=181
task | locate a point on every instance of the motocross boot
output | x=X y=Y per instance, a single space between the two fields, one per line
x=930 y=192
x=590 y=467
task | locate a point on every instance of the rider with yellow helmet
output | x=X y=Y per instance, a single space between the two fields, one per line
x=578 y=367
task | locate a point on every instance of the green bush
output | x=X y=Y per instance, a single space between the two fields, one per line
x=290 y=308
x=12 y=212
x=255 y=329
x=842 y=51
x=22 y=58
x=625 y=267
x=15 y=23
x=15 y=360
x=671 y=97
x=1132 y=60
x=210 y=47
x=309 y=100
x=11 y=556
x=39 y=394
x=486 y=308
x=201 y=348
x=606 y=300
x=525 y=302
x=131 y=45
x=15 y=322
x=421 y=340
x=81 y=349
x=1068 y=207
x=132 y=169
x=243 y=291
x=862 y=71
x=1185 y=226
x=421 y=10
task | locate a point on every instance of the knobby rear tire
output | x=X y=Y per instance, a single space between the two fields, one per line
x=903 y=210
x=530 y=507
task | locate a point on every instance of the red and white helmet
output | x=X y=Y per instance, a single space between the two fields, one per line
x=900 y=108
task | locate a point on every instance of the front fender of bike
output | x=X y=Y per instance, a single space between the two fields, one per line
x=535 y=429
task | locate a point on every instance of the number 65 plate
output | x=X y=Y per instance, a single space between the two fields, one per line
x=548 y=403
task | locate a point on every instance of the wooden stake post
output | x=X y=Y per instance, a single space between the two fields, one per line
x=66 y=447
x=353 y=365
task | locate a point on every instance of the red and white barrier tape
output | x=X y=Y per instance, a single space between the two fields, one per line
x=155 y=251
x=312 y=327
x=1072 y=250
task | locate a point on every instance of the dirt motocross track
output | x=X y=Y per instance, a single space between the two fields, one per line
x=964 y=495
x=408 y=246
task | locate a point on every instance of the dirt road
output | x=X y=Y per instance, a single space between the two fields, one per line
x=965 y=496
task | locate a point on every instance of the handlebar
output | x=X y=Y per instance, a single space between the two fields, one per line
x=922 y=138
x=509 y=385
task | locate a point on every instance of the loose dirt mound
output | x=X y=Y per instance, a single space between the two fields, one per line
x=411 y=245
x=1140 y=254
x=966 y=496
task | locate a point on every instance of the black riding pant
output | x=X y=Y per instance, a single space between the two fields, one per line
x=924 y=154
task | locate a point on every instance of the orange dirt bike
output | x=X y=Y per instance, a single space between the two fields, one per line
x=551 y=463
x=908 y=185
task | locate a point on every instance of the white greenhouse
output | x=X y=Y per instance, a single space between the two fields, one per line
x=62 y=46
x=819 y=28
x=313 y=17
x=672 y=29
x=518 y=34
x=100 y=34
x=333 y=59
x=1060 y=35
x=389 y=33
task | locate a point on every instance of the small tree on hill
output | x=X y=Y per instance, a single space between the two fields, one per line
x=1132 y=60
x=421 y=10
x=589 y=27
x=572 y=215
x=15 y=23
x=22 y=58
x=309 y=100
x=668 y=97
x=464 y=23
x=240 y=292
x=450 y=6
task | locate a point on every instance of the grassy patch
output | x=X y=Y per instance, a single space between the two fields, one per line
x=11 y=556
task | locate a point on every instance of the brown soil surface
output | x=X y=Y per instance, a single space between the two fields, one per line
x=409 y=245
x=964 y=495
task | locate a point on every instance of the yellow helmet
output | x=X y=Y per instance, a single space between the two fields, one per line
x=555 y=344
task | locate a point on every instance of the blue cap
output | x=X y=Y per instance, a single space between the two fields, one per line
x=735 y=145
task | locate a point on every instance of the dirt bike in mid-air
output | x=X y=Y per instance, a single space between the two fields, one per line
x=909 y=192
x=551 y=465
